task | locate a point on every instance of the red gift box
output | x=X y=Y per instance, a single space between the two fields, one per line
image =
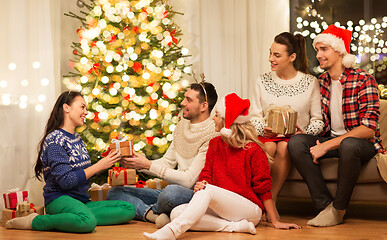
x=13 y=197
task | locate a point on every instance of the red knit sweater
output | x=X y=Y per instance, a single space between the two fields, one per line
x=244 y=171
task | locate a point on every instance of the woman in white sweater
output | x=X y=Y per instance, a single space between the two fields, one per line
x=287 y=84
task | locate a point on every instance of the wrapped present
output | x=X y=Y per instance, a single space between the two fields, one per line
x=97 y=192
x=119 y=176
x=14 y=196
x=124 y=147
x=23 y=207
x=8 y=214
x=282 y=120
x=156 y=183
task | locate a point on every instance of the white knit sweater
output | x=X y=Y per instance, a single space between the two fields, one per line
x=302 y=93
x=188 y=151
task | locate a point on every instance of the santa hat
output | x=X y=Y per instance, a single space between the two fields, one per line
x=340 y=40
x=233 y=109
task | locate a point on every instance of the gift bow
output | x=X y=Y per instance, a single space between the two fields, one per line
x=140 y=184
x=13 y=190
x=117 y=170
x=117 y=142
x=96 y=186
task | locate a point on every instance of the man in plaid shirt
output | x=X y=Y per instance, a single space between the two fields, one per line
x=350 y=108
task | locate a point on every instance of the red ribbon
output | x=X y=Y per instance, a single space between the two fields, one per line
x=32 y=206
x=140 y=184
x=117 y=171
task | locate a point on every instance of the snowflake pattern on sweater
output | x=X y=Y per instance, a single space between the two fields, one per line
x=64 y=158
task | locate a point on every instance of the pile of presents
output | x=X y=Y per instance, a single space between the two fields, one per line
x=17 y=205
x=119 y=176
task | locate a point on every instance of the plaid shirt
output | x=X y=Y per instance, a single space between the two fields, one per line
x=360 y=102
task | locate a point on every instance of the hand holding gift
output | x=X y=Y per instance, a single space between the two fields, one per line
x=137 y=161
x=109 y=160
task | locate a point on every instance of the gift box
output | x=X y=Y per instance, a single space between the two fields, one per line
x=119 y=176
x=13 y=197
x=23 y=207
x=156 y=183
x=8 y=214
x=97 y=192
x=125 y=148
x=282 y=120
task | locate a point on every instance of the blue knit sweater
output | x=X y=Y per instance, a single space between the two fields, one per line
x=64 y=158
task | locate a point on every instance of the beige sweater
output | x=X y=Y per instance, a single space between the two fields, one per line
x=187 y=150
x=302 y=93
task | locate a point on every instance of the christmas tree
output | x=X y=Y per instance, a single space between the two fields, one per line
x=130 y=70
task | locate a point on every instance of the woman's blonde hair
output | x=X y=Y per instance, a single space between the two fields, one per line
x=243 y=134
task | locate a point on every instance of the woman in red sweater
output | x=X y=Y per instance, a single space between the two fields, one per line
x=233 y=190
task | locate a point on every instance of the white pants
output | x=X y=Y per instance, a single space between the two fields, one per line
x=214 y=209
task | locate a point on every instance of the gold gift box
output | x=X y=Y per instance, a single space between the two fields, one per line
x=122 y=176
x=282 y=120
x=156 y=183
x=99 y=194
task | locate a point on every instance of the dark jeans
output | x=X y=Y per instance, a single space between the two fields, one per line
x=352 y=153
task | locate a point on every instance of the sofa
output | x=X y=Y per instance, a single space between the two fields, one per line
x=370 y=185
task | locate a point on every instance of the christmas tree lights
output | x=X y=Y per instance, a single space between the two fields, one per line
x=367 y=39
x=130 y=70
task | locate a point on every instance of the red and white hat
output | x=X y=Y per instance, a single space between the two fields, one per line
x=340 y=40
x=233 y=109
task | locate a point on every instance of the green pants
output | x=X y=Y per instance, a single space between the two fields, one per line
x=67 y=214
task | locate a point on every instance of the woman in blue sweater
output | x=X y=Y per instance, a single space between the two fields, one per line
x=66 y=168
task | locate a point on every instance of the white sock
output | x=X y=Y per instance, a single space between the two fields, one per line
x=330 y=216
x=245 y=226
x=151 y=216
x=21 y=222
x=164 y=233
x=162 y=220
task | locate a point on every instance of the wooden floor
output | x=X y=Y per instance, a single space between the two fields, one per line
x=372 y=224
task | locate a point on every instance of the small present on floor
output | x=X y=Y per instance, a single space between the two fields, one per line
x=14 y=196
x=156 y=183
x=97 y=192
x=22 y=209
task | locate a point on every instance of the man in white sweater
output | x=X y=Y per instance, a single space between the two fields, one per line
x=187 y=151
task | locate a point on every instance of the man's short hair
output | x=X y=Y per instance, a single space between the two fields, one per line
x=209 y=93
